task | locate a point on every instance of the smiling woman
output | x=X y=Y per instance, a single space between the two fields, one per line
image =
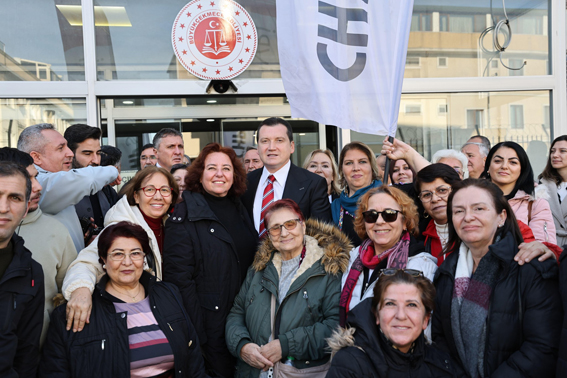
x=385 y=336
x=386 y=220
x=210 y=243
x=508 y=166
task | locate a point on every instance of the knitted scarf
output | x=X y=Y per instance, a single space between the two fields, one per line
x=397 y=258
x=469 y=308
x=350 y=203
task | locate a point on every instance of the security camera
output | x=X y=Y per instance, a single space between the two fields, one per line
x=221 y=86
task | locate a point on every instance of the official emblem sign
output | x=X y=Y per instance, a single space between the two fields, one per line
x=214 y=40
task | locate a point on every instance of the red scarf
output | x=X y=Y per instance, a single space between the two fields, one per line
x=397 y=258
x=157 y=227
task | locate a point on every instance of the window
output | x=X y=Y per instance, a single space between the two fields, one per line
x=494 y=63
x=413 y=61
x=421 y=22
x=442 y=110
x=514 y=64
x=546 y=117
x=413 y=109
x=517 y=116
x=475 y=119
x=442 y=62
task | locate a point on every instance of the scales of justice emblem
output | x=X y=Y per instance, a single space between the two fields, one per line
x=214 y=40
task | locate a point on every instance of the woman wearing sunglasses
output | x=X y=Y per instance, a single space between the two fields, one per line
x=386 y=338
x=210 y=244
x=497 y=318
x=139 y=327
x=434 y=184
x=288 y=304
x=146 y=199
x=386 y=220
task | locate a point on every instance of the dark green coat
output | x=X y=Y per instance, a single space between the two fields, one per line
x=310 y=310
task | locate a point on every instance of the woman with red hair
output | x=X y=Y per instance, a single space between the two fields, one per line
x=209 y=245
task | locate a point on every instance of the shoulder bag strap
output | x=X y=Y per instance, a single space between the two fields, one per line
x=273 y=316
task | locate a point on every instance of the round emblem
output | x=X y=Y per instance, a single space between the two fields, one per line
x=214 y=40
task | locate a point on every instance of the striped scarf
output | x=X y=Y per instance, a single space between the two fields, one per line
x=469 y=308
x=397 y=258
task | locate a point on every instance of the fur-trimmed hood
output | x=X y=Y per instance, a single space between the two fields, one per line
x=341 y=338
x=335 y=247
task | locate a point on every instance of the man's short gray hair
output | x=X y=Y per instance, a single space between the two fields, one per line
x=31 y=139
x=482 y=149
x=164 y=133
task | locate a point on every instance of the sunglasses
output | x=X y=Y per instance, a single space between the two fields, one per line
x=393 y=271
x=389 y=215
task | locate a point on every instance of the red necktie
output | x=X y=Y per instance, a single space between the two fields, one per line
x=267 y=199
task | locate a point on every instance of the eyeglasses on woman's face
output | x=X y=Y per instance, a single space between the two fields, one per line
x=289 y=225
x=441 y=192
x=120 y=256
x=151 y=191
x=389 y=215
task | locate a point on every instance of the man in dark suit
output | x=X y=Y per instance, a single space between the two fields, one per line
x=308 y=190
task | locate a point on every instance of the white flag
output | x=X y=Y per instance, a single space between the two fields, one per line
x=342 y=61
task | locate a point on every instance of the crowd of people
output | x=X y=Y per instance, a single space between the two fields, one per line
x=372 y=265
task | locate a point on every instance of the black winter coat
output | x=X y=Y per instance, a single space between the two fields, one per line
x=524 y=316
x=201 y=259
x=369 y=354
x=562 y=361
x=22 y=300
x=101 y=349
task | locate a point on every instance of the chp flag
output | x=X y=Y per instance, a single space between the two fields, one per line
x=342 y=61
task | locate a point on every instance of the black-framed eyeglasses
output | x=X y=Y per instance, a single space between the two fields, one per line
x=289 y=225
x=393 y=271
x=441 y=192
x=389 y=215
x=151 y=191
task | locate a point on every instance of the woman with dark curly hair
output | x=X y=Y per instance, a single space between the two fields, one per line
x=209 y=246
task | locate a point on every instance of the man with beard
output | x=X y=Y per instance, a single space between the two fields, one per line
x=63 y=187
x=47 y=239
x=84 y=142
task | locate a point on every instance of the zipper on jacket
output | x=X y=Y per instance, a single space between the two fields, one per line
x=545 y=231
x=295 y=291
x=102 y=345
x=14 y=301
x=169 y=325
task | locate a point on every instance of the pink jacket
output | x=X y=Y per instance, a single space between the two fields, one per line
x=541 y=223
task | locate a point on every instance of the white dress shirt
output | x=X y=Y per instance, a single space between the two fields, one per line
x=279 y=185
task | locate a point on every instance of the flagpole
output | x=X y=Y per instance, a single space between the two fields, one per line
x=387 y=166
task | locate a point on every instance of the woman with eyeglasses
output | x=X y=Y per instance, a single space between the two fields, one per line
x=210 y=243
x=146 y=199
x=434 y=184
x=386 y=220
x=494 y=316
x=138 y=325
x=508 y=166
x=322 y=162
x=385 y=338
x=288 y=304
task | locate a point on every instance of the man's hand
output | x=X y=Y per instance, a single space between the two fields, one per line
x=529 y=251
x=117 y=181
x=272 y=351
x=79 y=309
x=250 y=353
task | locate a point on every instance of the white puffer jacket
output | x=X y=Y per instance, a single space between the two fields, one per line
x=86 y=270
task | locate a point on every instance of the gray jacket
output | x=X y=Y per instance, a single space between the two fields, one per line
x=559 y=211
x=62 y=190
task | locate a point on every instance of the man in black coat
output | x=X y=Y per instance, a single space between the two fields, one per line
x=308 y=190
x=22 y=292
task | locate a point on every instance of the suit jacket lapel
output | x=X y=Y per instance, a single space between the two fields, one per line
x=557 y=209
x=295 y=187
